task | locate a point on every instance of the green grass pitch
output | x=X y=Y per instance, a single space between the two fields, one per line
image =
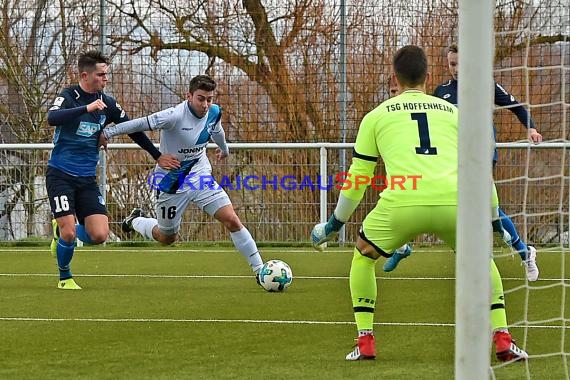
x=191 y=312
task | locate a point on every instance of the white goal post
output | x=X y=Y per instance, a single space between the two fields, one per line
x=474 y=234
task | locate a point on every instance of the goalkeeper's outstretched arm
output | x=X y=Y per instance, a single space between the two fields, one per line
x=350 y=196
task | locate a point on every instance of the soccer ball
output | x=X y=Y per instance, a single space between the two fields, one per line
x=275 y=276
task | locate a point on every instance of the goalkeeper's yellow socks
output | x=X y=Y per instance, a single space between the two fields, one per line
x=498 y=312
x=363 y=290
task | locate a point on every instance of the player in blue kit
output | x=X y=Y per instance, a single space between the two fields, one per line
x=448 y=91
x=79 y=113
x=185 y=130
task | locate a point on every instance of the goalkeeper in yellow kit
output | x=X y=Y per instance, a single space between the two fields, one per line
x=416 y=136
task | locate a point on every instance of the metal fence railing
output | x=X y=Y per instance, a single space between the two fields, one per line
x=279 y=190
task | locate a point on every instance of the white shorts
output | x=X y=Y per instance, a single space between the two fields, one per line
x=171 y=207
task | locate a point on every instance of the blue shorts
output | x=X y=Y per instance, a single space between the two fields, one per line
x=70 y=195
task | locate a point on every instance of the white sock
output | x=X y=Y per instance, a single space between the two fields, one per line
x=246 y=246
x=144 y=226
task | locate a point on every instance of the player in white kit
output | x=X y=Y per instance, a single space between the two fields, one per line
x=184 y=132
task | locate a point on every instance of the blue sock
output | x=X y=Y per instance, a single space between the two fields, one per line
x=82 y=234
x=64 y=256
x=517 y=243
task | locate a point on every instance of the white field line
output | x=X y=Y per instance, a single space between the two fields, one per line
x=175 y=320
x=246 y=321
x=191 y=276
x=185 y=276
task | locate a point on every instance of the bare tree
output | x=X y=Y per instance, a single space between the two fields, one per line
x=287 y=54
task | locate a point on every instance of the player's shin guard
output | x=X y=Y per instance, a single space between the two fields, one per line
x=516 y=243
x=363 y=290
x=82 y=234
x=64 y=255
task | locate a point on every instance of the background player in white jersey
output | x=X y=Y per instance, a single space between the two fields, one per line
x=184 y=132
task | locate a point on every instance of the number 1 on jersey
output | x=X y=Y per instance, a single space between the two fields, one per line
x=425 y=143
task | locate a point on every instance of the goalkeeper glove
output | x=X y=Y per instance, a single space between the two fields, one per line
x=324 y=232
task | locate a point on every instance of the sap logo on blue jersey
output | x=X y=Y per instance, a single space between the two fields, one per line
x=87 y=129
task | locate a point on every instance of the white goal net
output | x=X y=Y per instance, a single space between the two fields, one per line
x=532 y=62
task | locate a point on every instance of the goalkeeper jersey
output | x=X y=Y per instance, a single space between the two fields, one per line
x=416 y=135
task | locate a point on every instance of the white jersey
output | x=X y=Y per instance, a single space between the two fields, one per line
x=185 y=136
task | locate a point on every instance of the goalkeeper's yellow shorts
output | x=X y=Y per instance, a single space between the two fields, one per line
x=390 y=227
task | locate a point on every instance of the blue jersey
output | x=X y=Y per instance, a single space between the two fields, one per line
x=77 y=133
x=448 y=91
